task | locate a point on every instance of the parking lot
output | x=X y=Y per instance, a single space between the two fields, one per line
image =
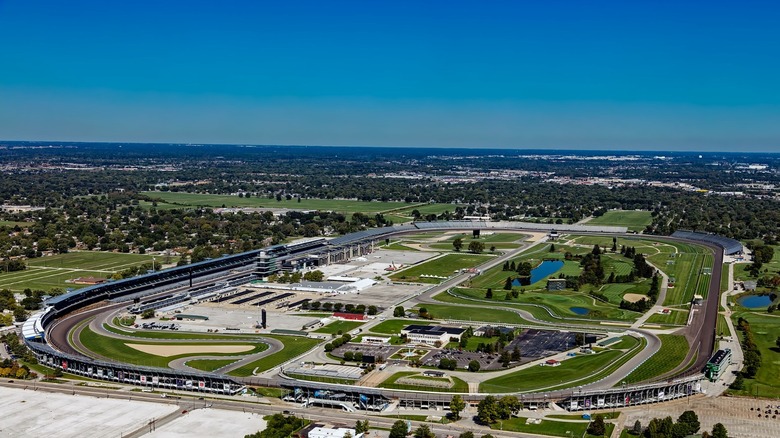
x=535 y=344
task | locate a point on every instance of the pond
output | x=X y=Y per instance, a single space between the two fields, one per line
x=545 y=269
x=754 y=301
x=579 y=310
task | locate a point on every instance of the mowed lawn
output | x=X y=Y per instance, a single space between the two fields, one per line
x=633 y=220
x=539 y=377
x=673 y=350
x=339 y=326
x=117 y=349
x=207 y=200
x=444 y=266
x=294 y=346
x=54 y=271
x=765 y=333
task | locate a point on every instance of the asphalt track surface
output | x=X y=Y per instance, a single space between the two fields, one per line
x=700 y=334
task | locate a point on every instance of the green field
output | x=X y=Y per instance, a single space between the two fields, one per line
x=117 y=349
x=468 y=313
x=548 y=427
x=559 y=303
x=444 y=266
x=633 y=220
x=293 y=347
x=675 y=317
x=673 y=350
x=208 y=364
x=458 y=385
x=339 y=326
x=186 y=200
x=686 y=267
x=13 y=224
x=53 y=271
x=765 y=333
x=544 y=377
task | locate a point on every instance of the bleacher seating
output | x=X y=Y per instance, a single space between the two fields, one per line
x=730 y=246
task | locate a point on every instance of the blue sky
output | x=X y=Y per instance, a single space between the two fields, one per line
x=661 y=75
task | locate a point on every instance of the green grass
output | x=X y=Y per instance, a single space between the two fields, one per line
x=675 y=317
x=559 y=303
x=14 y=223
x=767 y=380
x=184 y=200
x=397 y=246
x=458 y=385
x=53 y=271
x=633 y=220
x=539 y=377
x=444 y=266
x=686 y=269
x=178 y=335
x=548 y=427
x=293 y=347
x=626 y=342
x=469 y=313
x=722 y=327
x=208 y=364
x=673 y=350
x=339 y=326
x=116 y=349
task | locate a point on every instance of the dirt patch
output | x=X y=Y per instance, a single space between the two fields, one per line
x=633 y=298
x=175 y=350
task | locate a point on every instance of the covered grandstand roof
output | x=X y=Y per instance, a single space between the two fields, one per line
x=730 y=246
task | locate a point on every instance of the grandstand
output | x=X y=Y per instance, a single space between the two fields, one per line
x=730 y=246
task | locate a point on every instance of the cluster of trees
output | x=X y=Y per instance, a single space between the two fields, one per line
x=475 y=246
x=338 y=342
x=8 y=302
x=687 y=424
x=761 y=254
x=279 y=426
x=492 y=409
x=448 y=364
x=14 y=265
x=11 y=368
x=644 y=304
x=340 y=307
x=752 y=355
x=18 y=349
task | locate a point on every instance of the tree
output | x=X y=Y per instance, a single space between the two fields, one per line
x=719 y=431
x=361 y=426
x=399 y=312
x=476 y=247
x=424 y=431
x=508 y=283
x=399 y=429
x=474 y=366
x=597 y=427
x=148 y=313
x=489 y=295
x=457 y=405
x=516 y=354
x=579 y=339
x=637 y=429
x=691 y=422
x=457 y=244
x=487 y=410
x=372 y=310
x=466 y=434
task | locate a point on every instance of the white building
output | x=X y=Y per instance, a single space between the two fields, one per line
x=430 y=334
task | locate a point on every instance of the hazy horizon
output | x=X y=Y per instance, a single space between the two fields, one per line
x=606 y=75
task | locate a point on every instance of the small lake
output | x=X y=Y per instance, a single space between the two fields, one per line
x=579 y=310
x=754 y=301
x=545 y=269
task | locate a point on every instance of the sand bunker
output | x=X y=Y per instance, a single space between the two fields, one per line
x=633 y=298
x=175 y=350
